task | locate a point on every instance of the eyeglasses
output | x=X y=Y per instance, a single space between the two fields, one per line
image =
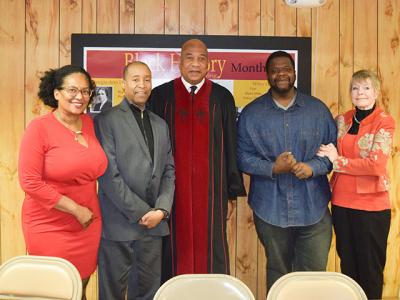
x=73 y=91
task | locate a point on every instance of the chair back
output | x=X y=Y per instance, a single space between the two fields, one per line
x=204 y=286
x=39 y=277
x=316 y=286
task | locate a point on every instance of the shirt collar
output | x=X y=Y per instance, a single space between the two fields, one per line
x=188 y=85
x=135 y=107
x=289 y=105
x=297 y=100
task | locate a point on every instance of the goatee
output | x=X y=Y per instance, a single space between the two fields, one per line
x=282 y=91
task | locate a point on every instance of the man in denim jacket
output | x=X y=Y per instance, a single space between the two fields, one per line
x=279 y=135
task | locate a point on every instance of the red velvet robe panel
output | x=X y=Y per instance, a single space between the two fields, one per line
x=203 y=132
x=191 y=207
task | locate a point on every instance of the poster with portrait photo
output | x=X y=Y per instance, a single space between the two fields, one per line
x=235 y=62
x=102 y=100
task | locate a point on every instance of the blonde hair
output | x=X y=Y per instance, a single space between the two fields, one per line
x=363 y=75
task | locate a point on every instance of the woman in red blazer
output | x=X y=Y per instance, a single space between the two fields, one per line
x=360 y=184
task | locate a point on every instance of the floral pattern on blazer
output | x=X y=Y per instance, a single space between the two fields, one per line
x=373 y=147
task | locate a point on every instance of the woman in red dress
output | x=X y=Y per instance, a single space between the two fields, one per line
x=59 y=162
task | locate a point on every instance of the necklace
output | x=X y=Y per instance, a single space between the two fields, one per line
x=76 y=133
x=355 y=119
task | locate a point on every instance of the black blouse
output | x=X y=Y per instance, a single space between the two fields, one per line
x=358 y=117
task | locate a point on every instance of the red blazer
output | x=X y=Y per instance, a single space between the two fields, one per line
x=373 y=146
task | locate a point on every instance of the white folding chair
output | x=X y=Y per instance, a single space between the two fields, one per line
x=316 y=286
x=204 y=286
x=39 y=277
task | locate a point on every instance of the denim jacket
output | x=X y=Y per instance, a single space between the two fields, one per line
x=264 y=132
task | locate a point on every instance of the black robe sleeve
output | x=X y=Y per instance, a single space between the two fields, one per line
x=234 y=177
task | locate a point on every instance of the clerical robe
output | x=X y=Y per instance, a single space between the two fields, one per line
x=203 y=133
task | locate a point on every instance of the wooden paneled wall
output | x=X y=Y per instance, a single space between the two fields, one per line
x=346 y=35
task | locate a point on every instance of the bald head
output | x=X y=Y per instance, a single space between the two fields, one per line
x=194 y=43
x=194 y=61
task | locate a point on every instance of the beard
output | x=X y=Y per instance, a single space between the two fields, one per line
x=281 y=90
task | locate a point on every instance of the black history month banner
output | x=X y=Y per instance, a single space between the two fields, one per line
x=238 y=63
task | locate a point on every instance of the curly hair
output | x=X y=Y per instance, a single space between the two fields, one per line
x=54 y=79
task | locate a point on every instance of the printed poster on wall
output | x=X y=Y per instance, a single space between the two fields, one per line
x=239 y=65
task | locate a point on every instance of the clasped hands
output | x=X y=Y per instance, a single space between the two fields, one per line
x=152 y=218
x=286 y=163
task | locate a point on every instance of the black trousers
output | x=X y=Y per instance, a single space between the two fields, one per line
x=131 y=267
x=361 y=240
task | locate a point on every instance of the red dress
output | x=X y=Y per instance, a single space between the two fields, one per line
x=52 y=164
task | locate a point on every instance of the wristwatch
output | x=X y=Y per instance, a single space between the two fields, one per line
x=166 y=214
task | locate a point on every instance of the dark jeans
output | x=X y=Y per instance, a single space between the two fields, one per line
x=132 y=265
x=361 y=240
x=300 y=248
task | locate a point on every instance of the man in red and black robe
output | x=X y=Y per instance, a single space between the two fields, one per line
x=202 y=119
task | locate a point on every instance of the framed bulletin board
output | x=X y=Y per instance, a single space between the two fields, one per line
x=236 y=62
